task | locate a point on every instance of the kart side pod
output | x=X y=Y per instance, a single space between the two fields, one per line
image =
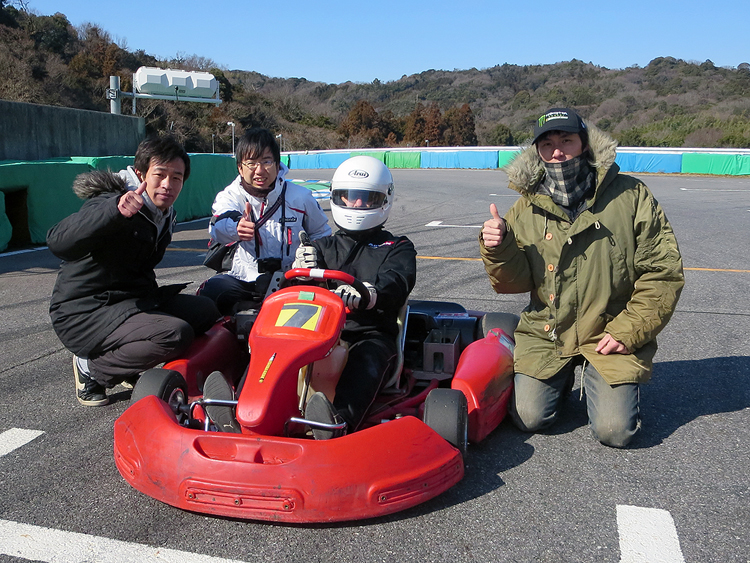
x=485 y=375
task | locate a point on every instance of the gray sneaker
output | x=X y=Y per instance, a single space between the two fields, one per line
x=217 y=387
x=89 y=392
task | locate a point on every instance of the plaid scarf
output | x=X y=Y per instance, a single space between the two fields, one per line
x=567 y=183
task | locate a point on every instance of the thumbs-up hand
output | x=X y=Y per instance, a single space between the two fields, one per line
x=494 y=230
x=131 y=202
x=245 y=227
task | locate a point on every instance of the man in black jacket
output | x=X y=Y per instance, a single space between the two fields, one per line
x=361 y=198
x=106 y=306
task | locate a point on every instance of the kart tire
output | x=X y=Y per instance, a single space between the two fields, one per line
x=446 y=412
x=507 y=322
x=167 y=384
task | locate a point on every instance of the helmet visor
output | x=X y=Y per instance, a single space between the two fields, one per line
x=360 y=199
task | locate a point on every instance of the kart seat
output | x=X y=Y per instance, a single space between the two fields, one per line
x=401 y=320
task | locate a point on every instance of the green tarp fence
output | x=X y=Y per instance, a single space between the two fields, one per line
x=380 y=155
x=411 y=159
x=505 y=157
x=394 y=159
x=721 y=164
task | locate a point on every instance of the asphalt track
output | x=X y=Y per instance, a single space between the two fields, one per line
x=679 y=494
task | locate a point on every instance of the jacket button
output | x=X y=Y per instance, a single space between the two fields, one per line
x=546 y=328
x=548 y=236
x=551 y=267
x=551 y=296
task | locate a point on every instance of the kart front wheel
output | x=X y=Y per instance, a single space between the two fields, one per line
x=167 y=384
x=446 y=412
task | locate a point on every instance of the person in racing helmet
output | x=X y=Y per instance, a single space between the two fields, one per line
x=361 y=199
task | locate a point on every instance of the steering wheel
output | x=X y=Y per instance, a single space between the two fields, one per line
x=319 y=274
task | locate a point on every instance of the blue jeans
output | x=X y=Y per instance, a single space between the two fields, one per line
x=613 y=410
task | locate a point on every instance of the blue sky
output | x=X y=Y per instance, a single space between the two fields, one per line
x=336 y=41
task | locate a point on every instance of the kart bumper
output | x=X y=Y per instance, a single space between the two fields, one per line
x=373 y=472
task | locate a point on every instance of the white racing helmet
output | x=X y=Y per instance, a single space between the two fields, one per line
x=361 y=193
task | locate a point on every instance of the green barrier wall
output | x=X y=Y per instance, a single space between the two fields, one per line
x=111 y=163
x=722 y=164
x=403 y=159
x=380 y=155
x=209 y=174
x=5 y=229
x=49 y=196
x=505 y=157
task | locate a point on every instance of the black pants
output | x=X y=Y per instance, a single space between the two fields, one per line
x=371 y=358
x=226 y=291
x=148 y=339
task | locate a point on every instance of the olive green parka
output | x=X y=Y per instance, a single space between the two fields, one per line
x=615 y=269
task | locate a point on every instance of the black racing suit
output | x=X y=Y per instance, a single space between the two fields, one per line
x=389 y=263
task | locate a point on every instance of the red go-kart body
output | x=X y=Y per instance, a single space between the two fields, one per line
x=274 y=470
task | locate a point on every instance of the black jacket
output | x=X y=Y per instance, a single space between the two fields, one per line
x=388 y=262
x=107 y=273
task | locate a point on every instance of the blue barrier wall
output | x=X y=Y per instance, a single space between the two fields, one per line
x=655 y=163
x=316 y=160
x=459 y=159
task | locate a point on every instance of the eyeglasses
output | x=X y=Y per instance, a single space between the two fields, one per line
x=266 y=163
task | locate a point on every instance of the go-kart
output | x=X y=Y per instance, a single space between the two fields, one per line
x=451 y=386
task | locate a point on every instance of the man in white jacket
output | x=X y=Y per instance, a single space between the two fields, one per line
x=261 y=215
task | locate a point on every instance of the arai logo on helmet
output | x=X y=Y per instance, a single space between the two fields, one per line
x=358 y=174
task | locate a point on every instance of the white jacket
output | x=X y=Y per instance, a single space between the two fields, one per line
x=301 y=212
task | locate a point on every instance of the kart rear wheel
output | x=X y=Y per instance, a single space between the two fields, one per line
x=507 y=322
x=446 y=412
x=167 y=384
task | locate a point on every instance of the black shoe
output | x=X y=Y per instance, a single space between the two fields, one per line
x=90 y=393
x=217 y=387
x=320 y=409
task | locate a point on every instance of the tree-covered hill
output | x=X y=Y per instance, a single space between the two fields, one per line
x=670 y=102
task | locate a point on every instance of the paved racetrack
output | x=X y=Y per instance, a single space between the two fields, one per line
x=525 y=498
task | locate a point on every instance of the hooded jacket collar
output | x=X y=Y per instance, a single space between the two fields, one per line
x=527 y=169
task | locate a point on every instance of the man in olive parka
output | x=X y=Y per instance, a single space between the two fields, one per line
x=604 y=272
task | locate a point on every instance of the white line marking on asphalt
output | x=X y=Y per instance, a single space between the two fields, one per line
x=440 y=224
x=708 y=190
x=647 y=535
x=505 y=195
x=45 y=544
x=15 y=438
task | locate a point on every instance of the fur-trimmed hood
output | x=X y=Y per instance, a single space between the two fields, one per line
x=526 y=170
x=98 y=182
